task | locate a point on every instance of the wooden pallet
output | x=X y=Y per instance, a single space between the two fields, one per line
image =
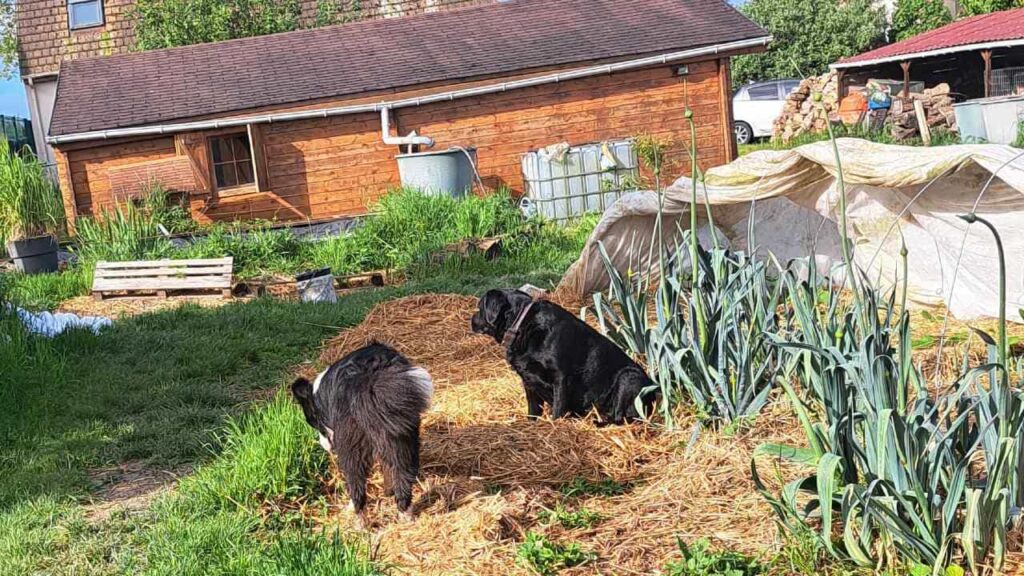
x=162 y=276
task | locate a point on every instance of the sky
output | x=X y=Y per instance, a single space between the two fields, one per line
x=13 y=101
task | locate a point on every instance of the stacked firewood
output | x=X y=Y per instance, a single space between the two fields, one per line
x=810 y=107
x=805 y=112
x=938 y=111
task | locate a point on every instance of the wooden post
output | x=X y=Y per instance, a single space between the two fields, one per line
x=725 y=101
x=922 y=122
x=986 y=55
x=906 y=78
x=67 y=189
x=841 y=83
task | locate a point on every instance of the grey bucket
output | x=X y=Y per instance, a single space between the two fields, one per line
x=446 y=172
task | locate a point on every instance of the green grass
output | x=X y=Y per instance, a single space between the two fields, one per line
x=406 y=228
x=939 y=138
x=171 y=389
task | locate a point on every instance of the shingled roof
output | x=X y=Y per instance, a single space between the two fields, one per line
x=209 y=80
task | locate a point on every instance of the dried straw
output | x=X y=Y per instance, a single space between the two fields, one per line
x=488 y=472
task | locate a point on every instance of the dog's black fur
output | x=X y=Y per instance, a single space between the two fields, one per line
x=563 y=362
x=368 y=407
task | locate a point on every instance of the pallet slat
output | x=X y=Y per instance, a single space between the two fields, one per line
x=164 y=263
x=144 y=273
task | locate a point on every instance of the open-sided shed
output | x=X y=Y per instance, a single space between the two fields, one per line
x=978 y=57
x=302 y=125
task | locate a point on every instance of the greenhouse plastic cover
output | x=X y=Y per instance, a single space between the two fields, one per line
x=895 y=194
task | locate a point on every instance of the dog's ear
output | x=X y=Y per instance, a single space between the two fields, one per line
x=302 y=389
x=493 y=305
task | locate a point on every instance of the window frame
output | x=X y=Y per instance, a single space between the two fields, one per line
x=71 y=24
x=246 y=188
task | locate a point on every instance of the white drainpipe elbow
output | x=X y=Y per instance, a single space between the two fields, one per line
x=411 y=140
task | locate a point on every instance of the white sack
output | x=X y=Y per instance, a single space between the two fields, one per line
x=793 y=195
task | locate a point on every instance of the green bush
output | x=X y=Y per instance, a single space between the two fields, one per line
x=547 y=557
x=169 y=23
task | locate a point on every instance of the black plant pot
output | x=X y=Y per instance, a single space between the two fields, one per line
x=34 y=255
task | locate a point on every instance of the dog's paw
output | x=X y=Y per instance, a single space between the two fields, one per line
x=406 y=517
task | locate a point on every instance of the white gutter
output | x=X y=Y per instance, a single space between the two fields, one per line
x=930 y=53
x=411 y=140
x=410 y=102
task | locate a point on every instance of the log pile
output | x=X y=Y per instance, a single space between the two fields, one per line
x=938 y=109
x=804 y=112
x=801 y=114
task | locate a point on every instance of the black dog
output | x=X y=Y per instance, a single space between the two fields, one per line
x=368 y=406
x=562 y=361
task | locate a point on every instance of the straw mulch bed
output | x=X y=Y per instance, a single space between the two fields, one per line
x=488 y=472
x=128 y=306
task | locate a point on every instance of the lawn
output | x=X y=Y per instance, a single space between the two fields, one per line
x=198 y=394
x=195 y=393
x=191 y=387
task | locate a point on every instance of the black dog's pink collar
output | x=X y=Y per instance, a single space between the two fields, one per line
x=510 y=334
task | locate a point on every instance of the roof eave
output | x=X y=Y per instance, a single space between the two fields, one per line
x=727 y=48
x=928 y=54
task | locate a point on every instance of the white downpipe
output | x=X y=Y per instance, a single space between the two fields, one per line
x=589 y=71
x=412 y=139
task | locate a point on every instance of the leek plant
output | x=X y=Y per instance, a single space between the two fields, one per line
x=894 y=465
x=705 y=342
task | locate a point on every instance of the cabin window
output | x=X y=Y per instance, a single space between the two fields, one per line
x=85 y=13
x=231 y=159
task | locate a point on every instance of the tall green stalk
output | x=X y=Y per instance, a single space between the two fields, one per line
x=30 y=204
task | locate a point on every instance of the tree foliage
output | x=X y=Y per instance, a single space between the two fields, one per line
x=975 y=7
x=808 y=36
x=8 y=40
x=913 y=17
x=168 y=23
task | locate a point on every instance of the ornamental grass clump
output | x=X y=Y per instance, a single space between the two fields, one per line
x=30 y=203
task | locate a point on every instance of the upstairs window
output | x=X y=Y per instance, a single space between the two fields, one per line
x=232 y=161
x=85 y=13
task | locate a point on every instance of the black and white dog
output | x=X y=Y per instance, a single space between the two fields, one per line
x=562 y=361
x=367 y=407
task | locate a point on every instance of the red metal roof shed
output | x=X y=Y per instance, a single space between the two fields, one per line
x=980 y=35
x=986 y=31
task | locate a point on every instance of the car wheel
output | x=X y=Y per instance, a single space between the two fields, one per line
x=744 y=134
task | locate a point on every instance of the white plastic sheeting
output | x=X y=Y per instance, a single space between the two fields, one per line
x=894 y=194
x=51 y=325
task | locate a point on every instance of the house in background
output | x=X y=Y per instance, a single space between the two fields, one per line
x=51 y=31
x=302 y=125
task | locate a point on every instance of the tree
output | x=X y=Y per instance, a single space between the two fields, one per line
x=8 y=40
x=913 y=17
x=808 y=36
x=975 y=7
x=167 y=23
